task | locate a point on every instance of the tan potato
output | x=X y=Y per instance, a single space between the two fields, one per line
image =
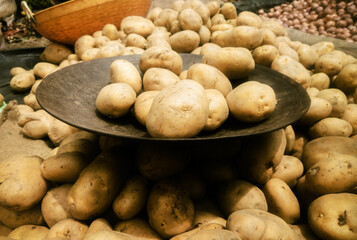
x=337 y=99
x=184 y=41
x=293 y=69
x=83 y=145
x=319 y=109
x=329 y=64
x=300 y=141
x=156 y=79
x=290 y=139
x=164 y=196
x=228 y=10
x=83 y=43
x=259 y=224
x=239 y=194
x=346 y=79
x=29 y=232
x=281 y=200
x=55 y=53
x=165 y=18
x=153 y=56
x=131 y=198
x=35 y=86
x=64 y=167
x=276 y=27
x=259 y=106
x=101 y=41
x=22 y=82
x=54 y=206
x=218 y=19
x=289 y=170
x=97 y=186
x=265 y=55
x=36 y=129
x=207 y=47
x=213 y=234
x=98 y=225
x=248 y=18
x=233 y=62
x=22 y=184
x=196 y=51
x=269 y=37
x=320 y=81
x=285 y=50
x=350 y=115
x=153 y=13
x=199 y=7
x=109 y=51
x=114 y=100
x=138 y=25
x=123 y=71
x=42 y=69
x=304 y=232
x=307 y=56
x=189 y=19
x=323 y=47
x=16 y=70
x=213 y=7
x=14 y=218
x=157 y=40
x=142 y=105
x=192 y=110
x=138 y=228
x=220 y=27
x=205 y=35
x=333 y=216
x=59 y=130
x=330 y=127
x=30 y=100
x=136 y=40
x=183 y=75
x=209 y=77
x=4 y=231
x=68 y=227
x=312 y=92
x=208 y=226
x=132 y=51
x=218 y=109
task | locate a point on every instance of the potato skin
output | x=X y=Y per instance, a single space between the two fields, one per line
x=334 y=216
x=330 y=127
x=184 y=41
x=29 y=232
x=14 y=219
x=68 y=227
x=289 y=170
x=346 y=79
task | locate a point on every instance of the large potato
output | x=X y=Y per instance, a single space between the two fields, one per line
x=179 y=110
x=329 y=64
x=22 y=184
x=189 y=19
x=22 y=82
x=241 y=36
x=330 y=127
x=334 y=216
x=55 y=53
x=248 y=18
x=29 y=232
x=123 y=71
x=320 y=81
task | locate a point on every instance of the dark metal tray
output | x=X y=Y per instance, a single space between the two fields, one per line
x=69 y=94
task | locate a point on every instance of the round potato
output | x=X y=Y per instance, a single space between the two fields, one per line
x=189 y=19
x=218 y=109
x=55 y=53
x=83 y=43
x=135 y=40
x=265 y=55
x=320 y=81
x=123 y=71
x=138 y=25
x=289 y=170
x=156 y=79
x=307 y=56
x=228 y=10
x=337 y=99
x=184 y=41
x=346 y=79
x=115 y=99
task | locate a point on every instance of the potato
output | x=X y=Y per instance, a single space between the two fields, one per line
x=241 y=36
x=281 y=200
x=35 y=129
x=166 y=196
x=218 y=19
x=123 y=71
x=333 y=216
x=209 y=77
x=228 y=10
x=320 y=81
x=189 y=19
x=186 y=235
x=233 y=62
x=142 y=105
x=260 y=156
x=319 y=109
x=192 y=110
x=213 y=234
x=346 y=79
x=207 y=47
x=259 y=224
x=265 y=55
x=330 y=127
x=4 y=230
x=156 y=79
x=83 y=43
x=138 y=25
x=337 y=99
x=138 y=228
x=329 y=64
x=136 y=40
x=199 y=7
x=165 y=18
x=220 y=28
x=304 y=232
x=22 y=82
x=350 y=115
x=59 y=130
x=55 y=53
x=205 y=35
x=42 y=69
x=22 y=184
x=54 y=206
x=289 y=170
x=248 y=18
x=323 y=47
x=97 y=185
x=29 y=232
x=293 y=69
x=328 y=147
x=337 y=174
x=239 y=194
x=158 y=161
x=213 y=7
x=82 y=144
x=290 y=139
x=153 y=13
x=109 y=51
x=184 y=41
x=110 y=31
x=307 y=56
x=132 y=51
x=269 y=37
x=114 y=100
x=259 y=106
x=14 y=218
x=218 y=109
x=157 y=40
x=97 y=225
x=131 y=198
x=276 y=27
x=16 y=70
x=285 y=50
x=300 y=141
x=153 y=56
x=68 y=227
x=64 y=167
x=35 y=86
x=101 y=41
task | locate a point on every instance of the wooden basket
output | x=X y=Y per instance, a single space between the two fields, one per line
x=66 y=22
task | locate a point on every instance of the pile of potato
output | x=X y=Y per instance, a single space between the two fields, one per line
x=298 y=182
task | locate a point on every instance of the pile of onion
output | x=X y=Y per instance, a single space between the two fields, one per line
x=331 y=18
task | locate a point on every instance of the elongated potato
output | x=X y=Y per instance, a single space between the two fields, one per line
x=29 y=232
x=138 y=25
x=337 y=99
x=289 y=170
x=156 y=79
x=184 y=41
x=319 y=109
x=68 y=227
x=218 y=109
x=22 y=82
x=14 y=219
x=123 y=71
x=330 y=127
x=142 y=105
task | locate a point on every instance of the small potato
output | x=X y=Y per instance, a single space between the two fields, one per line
x=323 y=47
x=29 y=232
x=319 y=109
x=329 y=64
x=276 y=27
x=156 y=79
x=228 y=10
x=347 y=79
x=101 y=41
x=205 y=35
x=320 y=81
x=200 y=8
x=132 y=51
x=136 y=40
x=259 y=106
x=138 y=25
x=189 y=19
x=36 y=129
x=90 y=54
x=269 y=37
x=350 y=115
x=142 y=105
x=109 y=51
x=307 y=56
x=14 y=218
x=337 y=99
x=68 y=227
x=153 y=13
x=131 y=198
x=83 y=43
x=157 y=41
x=330 y=127
x=209 y=77
x=22 y=82
x=35 y=86
x=290 y=139
x=239 y=194
x=265 y=55
x=137 y=228
x=285 y=50
x=333 y=216
x=17 y=70
x=293 y=69
x=218 y=19
x=123 y=71
x=54 y=206
x=42 y=69
x=281 y=200
x=86 y=146
x=192 y=109
x=55 y=53
x=153 y=56
x=184 y=41
x=115 y=99
x=289 y=170
x=59 y=130
x=220 y=27
x=110 y=31
x=22 y=184
x=166 y=17
x=248 y=18
x=234 y=62
x=218 y=109
x=213 y=7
